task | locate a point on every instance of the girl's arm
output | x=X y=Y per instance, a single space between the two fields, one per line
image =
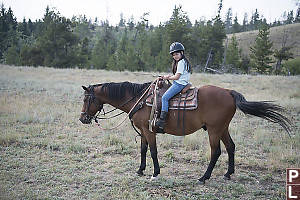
x=172 y=77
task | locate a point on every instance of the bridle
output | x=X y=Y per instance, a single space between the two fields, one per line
x=91 y=99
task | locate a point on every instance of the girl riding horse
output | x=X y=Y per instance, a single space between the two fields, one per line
x=181 y=69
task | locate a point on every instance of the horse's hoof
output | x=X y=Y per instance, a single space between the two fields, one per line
x=201 y=181
x=227 y=177
x=140 y=173
x=154 y=178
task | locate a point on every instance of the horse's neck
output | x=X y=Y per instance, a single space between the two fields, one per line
x=122 y=105
x=126 y=108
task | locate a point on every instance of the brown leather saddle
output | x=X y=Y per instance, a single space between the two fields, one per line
x=185 y=100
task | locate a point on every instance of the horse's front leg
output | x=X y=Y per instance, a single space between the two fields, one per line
x=151 y=138
x=153 y=150
x=144 y=148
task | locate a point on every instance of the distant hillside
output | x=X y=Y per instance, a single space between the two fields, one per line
x=247 y=39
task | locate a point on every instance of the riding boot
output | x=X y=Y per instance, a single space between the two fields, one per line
x=161 y=122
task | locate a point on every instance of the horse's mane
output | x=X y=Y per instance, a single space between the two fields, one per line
x=118 y=91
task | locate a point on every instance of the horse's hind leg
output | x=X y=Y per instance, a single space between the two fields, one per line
x=230 y=147
x=214 y=141
x=144 y=148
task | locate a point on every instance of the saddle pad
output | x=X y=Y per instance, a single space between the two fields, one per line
x=187 y=101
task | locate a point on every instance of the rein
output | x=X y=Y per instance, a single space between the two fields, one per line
x=128 y=114
x=96 y=117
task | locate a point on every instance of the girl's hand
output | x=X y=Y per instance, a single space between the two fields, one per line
x=166 y=77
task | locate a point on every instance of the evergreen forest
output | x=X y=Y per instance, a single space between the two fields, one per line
x=137 y=45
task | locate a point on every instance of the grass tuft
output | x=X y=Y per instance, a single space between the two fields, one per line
x=9 y=139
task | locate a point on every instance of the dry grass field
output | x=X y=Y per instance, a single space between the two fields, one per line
x=46 y=153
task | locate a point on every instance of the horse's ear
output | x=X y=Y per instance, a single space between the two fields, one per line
x=85 y=88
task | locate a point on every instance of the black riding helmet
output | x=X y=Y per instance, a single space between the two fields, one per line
x=176 y=46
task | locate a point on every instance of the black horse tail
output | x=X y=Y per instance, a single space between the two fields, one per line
x=262 y=109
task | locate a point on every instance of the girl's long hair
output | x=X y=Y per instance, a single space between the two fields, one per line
x=187 y=64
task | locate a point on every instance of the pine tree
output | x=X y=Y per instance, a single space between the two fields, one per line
x=216 y=36
x=261 y=50
x=160 y=49
x=30 y=26
x=118 y=59
x=57 y=41
x=200 y=42
x=297 y=17
x=179 y=26
x=84 y=54
x=122 y=21
x=255 y=21
x=23 y=28
x=143 y=45
x=236 y=27
x=105 y=47
x=8 y=30
x=163 y=59
x=245 y=23
x=233 y=53
x=228 y=21
x=131 y=23
x=83 y=27
x=290 y=17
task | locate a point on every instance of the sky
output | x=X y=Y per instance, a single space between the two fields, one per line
x=159 y=10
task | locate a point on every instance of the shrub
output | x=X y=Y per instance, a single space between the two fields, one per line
x=292 y=66
x=12 y=56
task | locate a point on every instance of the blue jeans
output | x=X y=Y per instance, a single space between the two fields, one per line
x=171 y=92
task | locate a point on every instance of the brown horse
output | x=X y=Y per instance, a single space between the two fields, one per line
x=216 y=107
